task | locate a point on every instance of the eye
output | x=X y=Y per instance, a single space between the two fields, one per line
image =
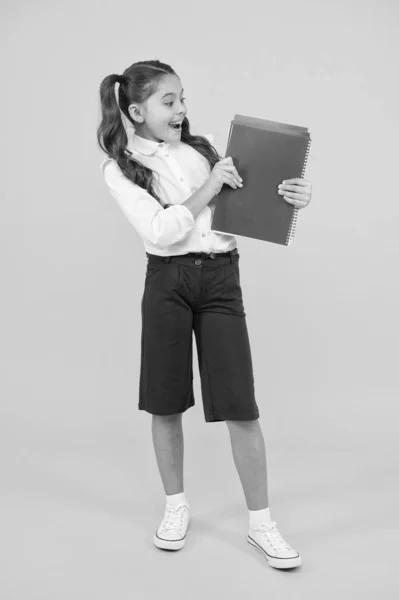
x=170 y=103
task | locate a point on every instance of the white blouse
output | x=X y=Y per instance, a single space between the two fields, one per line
x=179 y=170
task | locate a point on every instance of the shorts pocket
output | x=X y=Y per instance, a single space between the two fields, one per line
x=232 y=274
x=160 y=274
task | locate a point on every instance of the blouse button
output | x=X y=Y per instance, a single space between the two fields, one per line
x=181 y=179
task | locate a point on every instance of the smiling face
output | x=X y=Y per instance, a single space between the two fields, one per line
x=153 y=117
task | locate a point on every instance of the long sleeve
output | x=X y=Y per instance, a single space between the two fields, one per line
x=154 y=224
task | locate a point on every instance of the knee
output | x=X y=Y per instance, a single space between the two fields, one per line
x=237 y=423
x=167 y=418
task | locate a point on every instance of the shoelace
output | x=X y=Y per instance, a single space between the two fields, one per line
x=174 y=517
x=273 y=535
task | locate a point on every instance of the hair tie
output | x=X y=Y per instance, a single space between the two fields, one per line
x=120 y=79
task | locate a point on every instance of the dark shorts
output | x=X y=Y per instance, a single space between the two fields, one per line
x=201 y=293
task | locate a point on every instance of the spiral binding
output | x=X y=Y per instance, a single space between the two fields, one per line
x=294 y=218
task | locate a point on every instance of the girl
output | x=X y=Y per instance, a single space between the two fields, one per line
x=166 y=181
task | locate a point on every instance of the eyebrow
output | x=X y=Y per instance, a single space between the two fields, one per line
x=170 y=94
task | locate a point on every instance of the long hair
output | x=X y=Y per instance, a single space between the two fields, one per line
x=140 y=81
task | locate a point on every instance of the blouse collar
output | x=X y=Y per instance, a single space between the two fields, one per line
x=142 y=145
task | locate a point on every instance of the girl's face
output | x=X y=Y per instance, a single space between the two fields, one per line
x=153 y=117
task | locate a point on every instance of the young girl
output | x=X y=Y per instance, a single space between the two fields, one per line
x=166 y=182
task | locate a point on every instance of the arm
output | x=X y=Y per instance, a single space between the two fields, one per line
x=197 y=201
x=157 y=226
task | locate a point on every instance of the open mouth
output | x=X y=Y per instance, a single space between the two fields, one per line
x=175 y=126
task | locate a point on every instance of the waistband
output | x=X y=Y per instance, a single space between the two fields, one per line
x=203 y=255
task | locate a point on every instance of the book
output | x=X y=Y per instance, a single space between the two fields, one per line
x=264 y=153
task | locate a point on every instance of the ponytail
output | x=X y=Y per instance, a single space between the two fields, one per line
x=111 y=134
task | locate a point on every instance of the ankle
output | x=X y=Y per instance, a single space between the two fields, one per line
x=175 y=499
x=259 y=516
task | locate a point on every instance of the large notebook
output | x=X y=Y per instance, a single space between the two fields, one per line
x=264 y=153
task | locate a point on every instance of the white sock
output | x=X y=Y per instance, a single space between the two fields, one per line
x=259 y=516
x=176 y=499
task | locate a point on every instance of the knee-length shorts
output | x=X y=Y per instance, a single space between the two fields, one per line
x=198 y=293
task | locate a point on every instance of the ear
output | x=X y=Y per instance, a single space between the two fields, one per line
x=135 y=113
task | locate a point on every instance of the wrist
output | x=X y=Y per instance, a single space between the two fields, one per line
x=208 y=190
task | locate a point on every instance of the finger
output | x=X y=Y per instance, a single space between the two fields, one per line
x=299 y=203
x=294 y=188
x=296 y=181
x=237 y=174
x=296 y=196
x=230 y=180
x=232 y=170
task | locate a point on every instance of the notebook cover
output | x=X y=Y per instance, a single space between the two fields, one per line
x=265 y=124
x=264 y=158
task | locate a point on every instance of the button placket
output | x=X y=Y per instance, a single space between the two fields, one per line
x=175 y=167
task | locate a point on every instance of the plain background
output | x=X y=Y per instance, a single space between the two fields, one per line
x=81 y=495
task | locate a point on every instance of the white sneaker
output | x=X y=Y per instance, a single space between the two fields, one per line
x=171 y=534
x=270 y=543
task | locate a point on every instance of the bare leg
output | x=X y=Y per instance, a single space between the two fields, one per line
x=167 y=435
x=249 y=455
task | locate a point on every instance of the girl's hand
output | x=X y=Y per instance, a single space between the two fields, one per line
x=224 y=171
x=296 y=191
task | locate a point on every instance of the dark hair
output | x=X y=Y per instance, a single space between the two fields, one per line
x=138 y=82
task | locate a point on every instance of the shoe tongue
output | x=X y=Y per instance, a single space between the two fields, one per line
x=267 y=525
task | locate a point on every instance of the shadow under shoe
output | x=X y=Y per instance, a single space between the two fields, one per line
x=171 y=534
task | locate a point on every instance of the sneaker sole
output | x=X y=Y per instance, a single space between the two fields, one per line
x=277 y=563
x=168 y=544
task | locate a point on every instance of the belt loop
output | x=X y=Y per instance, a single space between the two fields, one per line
x=167 y=259
x=231 y=256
